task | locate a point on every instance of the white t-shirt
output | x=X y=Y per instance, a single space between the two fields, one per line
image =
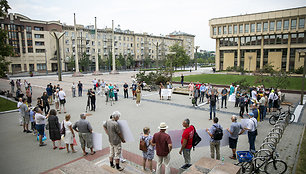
x=61 y=95
x=94 y=82
x=252 y=124
x=40 y=119
x=254 y=93
x=18 y=105
x=66 y=125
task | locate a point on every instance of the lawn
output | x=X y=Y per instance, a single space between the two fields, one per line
x=301 y=167
x=295 y=83
x=6 y=105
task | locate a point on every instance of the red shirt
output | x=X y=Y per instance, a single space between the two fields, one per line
x=198 y=86
x=188 y=135
x=162 y=140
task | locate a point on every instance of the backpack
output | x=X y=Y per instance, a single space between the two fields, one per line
x=218 y=133
x=213 y=100
x=97 y=84
x=193 y=101
x=196 y=138
x=63 y=130
x=143 y=145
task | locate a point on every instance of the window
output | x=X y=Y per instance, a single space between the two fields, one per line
x=258 y=42
x=252 y=28
x=301 y=38
x=224 y=30
x=214 y=31
x=30 y=50
x=66 y=33
x=67 y=50
x=253 y=40
x=231 y=42
x=278 y=25
x=38 y=28
x=286 y=25
x=242 y=41
x=38 y=35
x=293 y=24
x=29 y=29
x=29 y=36
x=293 y=38
x=301 y=22
x=219 y=30
x=272 y=39
x=40 y=50
x=247 y=28
x=272 y=26
x=235 y=29
x=30 y=43
x=41 y=66
x=39 y=43
x=285 y=39
x=248 y=40
x=278 y=39
x=266 y=40
x=258 y=27
x=241 y=28
x=235 y=41
x=265 y=26
x=230 y=28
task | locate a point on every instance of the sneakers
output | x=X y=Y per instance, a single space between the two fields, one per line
x=43 y=144
x=233 y=157
x=186 y=166
x=120 y=169
x=29 y=131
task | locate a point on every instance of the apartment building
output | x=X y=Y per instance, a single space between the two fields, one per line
x=254 y=40
x=35 y=47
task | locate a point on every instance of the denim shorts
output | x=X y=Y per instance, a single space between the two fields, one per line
x=40 y=129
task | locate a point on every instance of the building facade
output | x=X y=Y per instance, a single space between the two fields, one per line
x=35 y=47
x=254 y=40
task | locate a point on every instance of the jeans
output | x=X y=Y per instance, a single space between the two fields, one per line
x=224 y=98
x=45 y=108
x=73 y=92
x=93 y=104
x=116 y=96
x=236 y=102
x=261 y=110
x=80 y=92
x=252 y=137
x=241 y=111
x=202 y=96
x=212 y=110
x=182 y=82
x=215 y=146
x=160 y=161
x=126 y=94
x=186 y=155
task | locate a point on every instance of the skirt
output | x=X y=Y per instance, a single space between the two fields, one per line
x=68 y=138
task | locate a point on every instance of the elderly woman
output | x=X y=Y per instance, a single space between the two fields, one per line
x=54 y=129
x=40 y=124
x=69 y=133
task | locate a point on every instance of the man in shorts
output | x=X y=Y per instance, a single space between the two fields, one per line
x=115 y=138
x=25 y=113
x=235 y=130
x=83 y=127
x=62 y=99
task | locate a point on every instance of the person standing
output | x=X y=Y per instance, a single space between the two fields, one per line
x=214 y=142
x=62 y=99
x=212 y=104
x=80 y=89
x=138 y=96
x=25 y=85
x=202 y=90
x=40 y=121
x=25 y=112
x=49 y=93
x=111 y=93
x=252 y=131
x=69 y=133
x=242 y=105
x=196 y=95
x=20 y=116
x=83 y=127
x=163 y=144
x=106 y=93
x=94 y=83
x=262 y=103
x=56 y=100
x=103 y=87
x=73 y=89
x=29 y=96
x=98 y=85
x=116 y=92
x=149 y=154
x=45 y=101
x=12 y=83
x=54 y=129
x=235 y=130
x=134 y=87
x=93 y=100
x=191 y=89
x=182 y=80
x=161 y=86
x=126 y=90
x=115 y=138
x=186 y=142
x=224 y=93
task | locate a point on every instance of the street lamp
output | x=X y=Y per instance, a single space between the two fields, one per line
x=196 y=58
x=250 y=58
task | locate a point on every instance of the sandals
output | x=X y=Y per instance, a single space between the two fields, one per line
x=86 y=153
x=93 y=153
x=54 y=147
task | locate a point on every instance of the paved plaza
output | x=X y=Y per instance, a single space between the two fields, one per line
x=20 y=152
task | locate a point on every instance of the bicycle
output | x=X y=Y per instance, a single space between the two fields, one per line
x=264 y=161
x=274 y=118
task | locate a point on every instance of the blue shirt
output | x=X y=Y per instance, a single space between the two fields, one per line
x=255 y=112
x=202 y=88
x=31 y=116
x=212 y=131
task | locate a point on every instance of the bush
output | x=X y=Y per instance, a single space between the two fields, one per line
x=299 y=70
x=153 y=78
x=243 y=84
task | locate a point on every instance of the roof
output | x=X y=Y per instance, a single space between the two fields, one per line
x=180 y=33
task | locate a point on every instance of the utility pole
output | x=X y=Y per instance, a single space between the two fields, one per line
x=97 y=72
x=113 y=51
x=304 y=72
x=59 y=63
x=76 y=47
x=196 y=57
x=157 y=53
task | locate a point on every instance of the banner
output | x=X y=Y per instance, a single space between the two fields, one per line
x=232 y=98
x=97 y=141
x=166 y=92
x=126 y=131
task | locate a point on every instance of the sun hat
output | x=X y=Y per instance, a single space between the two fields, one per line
x=162 y=125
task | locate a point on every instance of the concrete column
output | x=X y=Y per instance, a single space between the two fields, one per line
x=76 y=47
x=238 y=53
x=113 y=47
x=261 y=52
x=96 y=46
x=217 y=58
x=21 y=53
x=288 y=53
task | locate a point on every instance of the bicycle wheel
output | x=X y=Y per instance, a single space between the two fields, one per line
x=272 y=120
x=291 y=118
x=276 y=166
x=261 y=158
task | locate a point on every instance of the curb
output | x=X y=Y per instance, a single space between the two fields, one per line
x=10 y=111
x=298 y=152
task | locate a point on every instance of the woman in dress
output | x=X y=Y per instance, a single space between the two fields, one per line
x=138 y=94
x=54 y=129
x=111 y=93
x=56 y=99
x=161 y=86
x=69 y=133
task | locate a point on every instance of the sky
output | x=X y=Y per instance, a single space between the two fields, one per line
x=150 y=16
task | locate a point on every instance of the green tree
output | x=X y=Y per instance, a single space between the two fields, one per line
x=147 y=62
x=130 y=62
x=180 y=58
x=71 y=63
x=121 y=60
x=5 y=49
x=84 y=61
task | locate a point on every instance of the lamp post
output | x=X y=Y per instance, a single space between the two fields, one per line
x=196 y=57
x=250 y=58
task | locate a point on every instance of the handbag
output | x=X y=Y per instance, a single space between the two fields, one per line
x=62 y=131
x=74 y=142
